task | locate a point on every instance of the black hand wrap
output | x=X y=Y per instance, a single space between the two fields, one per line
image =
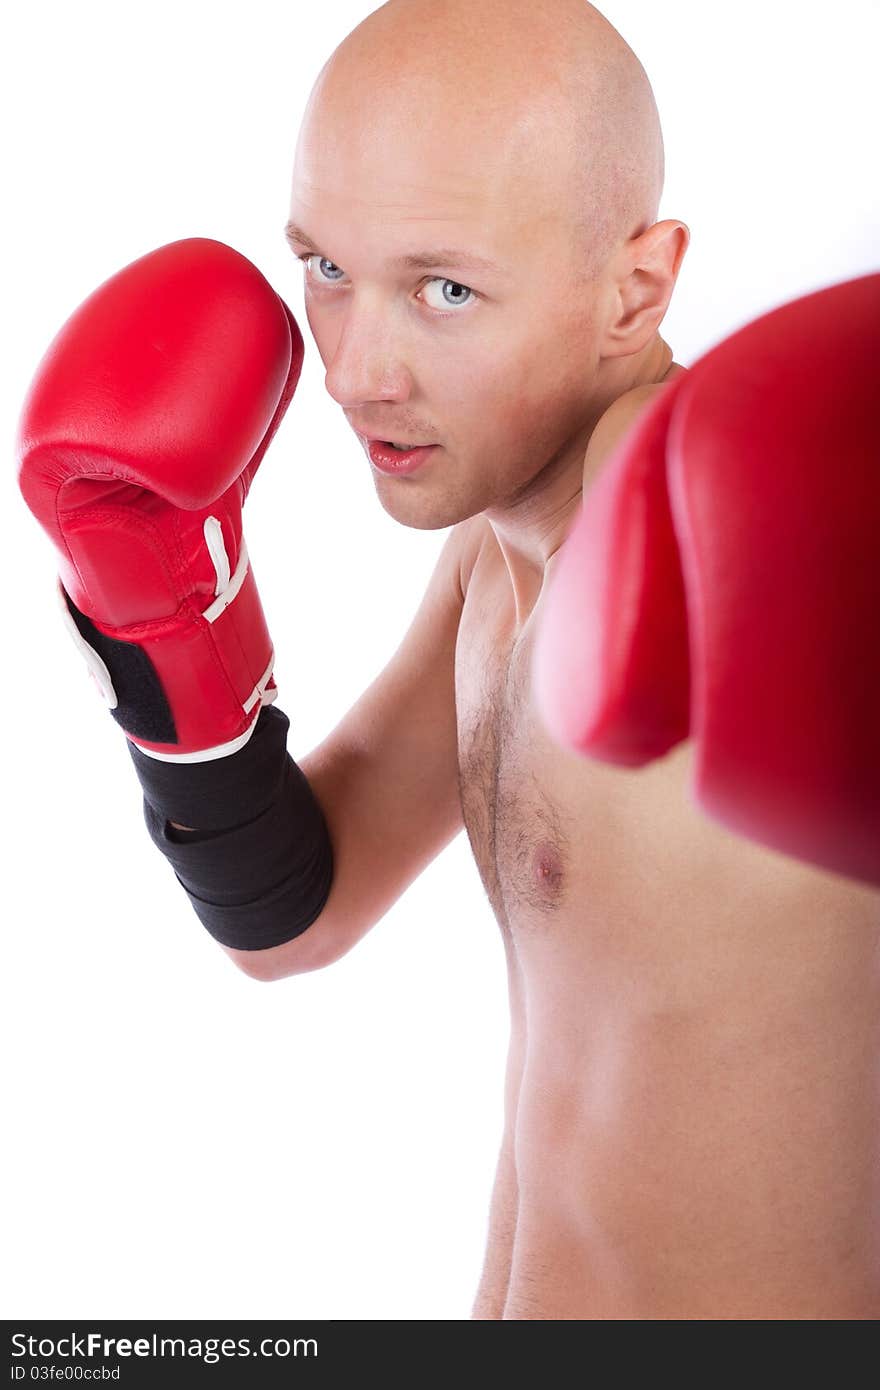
x=258 y=869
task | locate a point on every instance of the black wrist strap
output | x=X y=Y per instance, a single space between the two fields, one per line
x=259 y=869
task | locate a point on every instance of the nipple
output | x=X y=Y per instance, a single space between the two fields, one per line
x=547 y=867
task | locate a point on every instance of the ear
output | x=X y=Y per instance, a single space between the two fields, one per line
x=647 y=270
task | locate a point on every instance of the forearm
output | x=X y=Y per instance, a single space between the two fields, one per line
x=258 y=865
x=491 y=1294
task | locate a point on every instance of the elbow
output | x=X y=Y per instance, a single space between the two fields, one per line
x=257 y=965
x=310 y=950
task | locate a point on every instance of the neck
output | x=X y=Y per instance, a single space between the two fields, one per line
x=530 y=529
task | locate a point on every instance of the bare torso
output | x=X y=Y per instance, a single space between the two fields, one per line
x=692 y=1112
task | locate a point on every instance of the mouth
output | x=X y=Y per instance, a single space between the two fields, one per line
x=396 y=457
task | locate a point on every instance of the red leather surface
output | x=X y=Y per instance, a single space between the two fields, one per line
x=150 y=412
x=722 y=583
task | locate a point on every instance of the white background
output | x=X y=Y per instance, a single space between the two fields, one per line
x=181 y=1140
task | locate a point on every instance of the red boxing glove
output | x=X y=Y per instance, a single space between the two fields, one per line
x=139 y=439
x=722 y=582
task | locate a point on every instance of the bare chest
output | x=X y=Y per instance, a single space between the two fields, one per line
x=695 y=1018
x=512 y=819
x=526 y=832
x=616 y=867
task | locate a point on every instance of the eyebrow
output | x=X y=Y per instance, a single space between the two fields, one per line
x=419 y=260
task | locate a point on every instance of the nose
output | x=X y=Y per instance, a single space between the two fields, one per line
x=366 y=363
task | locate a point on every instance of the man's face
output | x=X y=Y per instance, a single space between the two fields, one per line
x=446 y=291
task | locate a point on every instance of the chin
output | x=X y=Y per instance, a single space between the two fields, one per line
x=417 y=508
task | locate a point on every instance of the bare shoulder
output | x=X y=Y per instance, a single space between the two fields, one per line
x=622 y=413
x=634 y=401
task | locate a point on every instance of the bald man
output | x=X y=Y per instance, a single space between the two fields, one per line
x=691 y=1126
x=691 y=1120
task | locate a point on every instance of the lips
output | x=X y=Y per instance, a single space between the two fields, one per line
x=398 y=461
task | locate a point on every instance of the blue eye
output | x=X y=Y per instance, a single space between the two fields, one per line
x=326 y=271
x=452 y=294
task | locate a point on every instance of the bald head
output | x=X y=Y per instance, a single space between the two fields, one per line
x=542 y=92
x=474 y=200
